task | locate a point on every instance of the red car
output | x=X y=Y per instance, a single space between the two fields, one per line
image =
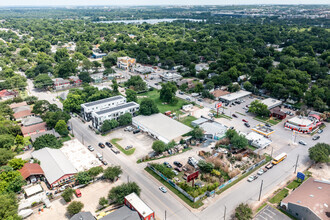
x=244 y=120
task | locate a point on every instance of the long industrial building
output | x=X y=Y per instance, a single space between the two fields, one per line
x=99 y=105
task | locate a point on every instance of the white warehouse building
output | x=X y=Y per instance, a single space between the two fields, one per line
x=99 y=105
x=98 y=117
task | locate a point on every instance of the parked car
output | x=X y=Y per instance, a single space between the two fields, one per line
x=98 y=155
x=129 y=128
x=162 y=188
x=268 y=125
x=115 y=150
x=136 y=131
x=269 y=166
x=200 y=100
x=260 y=172
x=244 y=120
x=128 y=147
x=101 y=145
x=167 y=164
x=90 y=148
x=188 y=99
x=302 y=142
x=69 y=128
x=104 y=162
x=251 y=178
x=176 y=163
x=320 y=131
x=316 y=137
x=178 y=169
x=181 y=93
x=108 y=144
x=78 y=193
x=175 y=172
x=247 y=124
x=235 y=116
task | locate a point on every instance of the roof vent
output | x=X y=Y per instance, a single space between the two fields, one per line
x=298 y=201
x=311 y=195
x=319 y=187
x=326 y=205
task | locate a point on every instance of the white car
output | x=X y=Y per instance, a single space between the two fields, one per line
x=90 y=148
x=260 y=172
x=162 y=188
x=302 y=142
x=251 y=178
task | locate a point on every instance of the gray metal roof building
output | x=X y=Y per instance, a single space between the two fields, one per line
x=161 y=127
x=54 y=164
x=123 y=213
x=102 y=101
x=83 y=216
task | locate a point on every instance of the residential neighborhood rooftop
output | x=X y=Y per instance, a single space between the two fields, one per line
x=15 y=105
x=31 y=169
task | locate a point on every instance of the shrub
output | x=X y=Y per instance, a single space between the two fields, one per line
x=68 y=194
x=74 y=208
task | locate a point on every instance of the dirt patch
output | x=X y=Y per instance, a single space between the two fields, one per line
x=321 y=171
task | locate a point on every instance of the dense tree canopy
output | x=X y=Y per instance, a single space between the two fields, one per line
x=320 y=153
x=47 y=140
x=118 y=193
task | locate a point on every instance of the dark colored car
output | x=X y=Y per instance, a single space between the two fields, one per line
x=178 y=169
x=136 y=131
x=178 y=164
x=247 y=124
x=69 y=128
x=235 y=116
x=316 y=137
x=108 y=144
x=167 y=164
x=101 y=145
x=268 y=125
x=104 y=162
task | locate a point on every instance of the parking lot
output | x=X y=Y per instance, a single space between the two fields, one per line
x=270 y=213
x=140 y=141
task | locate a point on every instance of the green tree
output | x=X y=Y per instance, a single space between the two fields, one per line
x=19 y=140
x=83 y=177
x=5 y=156
x=233 y=87
x=118 y=193
x=243 y=212
x=61 y=54
x=8 y=206
x=16 y=163
x=66 y=68
x=167 y=92
x=51 y=118
x=103 y=201
x=148 y=107
x=84 y=76
x=61 y=128
x=42 y=81
x=125 y=119
x=47 y=140
x=197 y=133
x=109 y=124
x=74 y=207
x=205 y=166
x=136 y=83
x=239 y=141
x=199 y=87
x=94 y=171
x=72 y=103
x=320 y=153
x=131 y=95
x=7 y=141
x=259 y=108
x=40 y=107
x=248 y=86
x=159 y=146
x=115 y=86
x=67 y=194
x=111 y=173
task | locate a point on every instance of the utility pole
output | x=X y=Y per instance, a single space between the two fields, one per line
x=295 y=169
x=82 y=139
x=127 y=178
x=224 y=214
x=71 y=128
x=271 y=154
x=262 y=181
x=165 y=214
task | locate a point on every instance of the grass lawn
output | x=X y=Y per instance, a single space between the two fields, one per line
x=127 y=152
x=240 y=113
x=273 y=121
x=222 y=116
x=64 y=139
x=154 y=95
x=23 y=94
x=294 y=184
x=187 y=120
x=195 y=205
x=252 y=148
x=261 y=207
x=279 y=196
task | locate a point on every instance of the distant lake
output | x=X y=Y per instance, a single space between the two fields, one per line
x=149 y=21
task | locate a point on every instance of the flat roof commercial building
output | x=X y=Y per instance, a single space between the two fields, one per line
x=214 y=129
x=56 y=166
x=89 y=107
x=161 y=127
x=309 y=201
x=234 y=96
x=126 y=63
x=302 y=124
x=258 y=140
x=135 y=203
x=170 y=77
x=263 y=129
x=271 y=103
x=98 y=117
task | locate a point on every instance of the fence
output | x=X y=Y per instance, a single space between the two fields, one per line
x=207 y=193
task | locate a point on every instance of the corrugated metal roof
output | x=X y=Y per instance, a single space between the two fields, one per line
x=123 y=106
x=54 y=163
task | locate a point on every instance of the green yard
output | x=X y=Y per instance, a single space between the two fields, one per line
x=187 y=120
x=294 y=184
x=273 y=121
x=154 y=95
x=279 y=196
x=127 y=152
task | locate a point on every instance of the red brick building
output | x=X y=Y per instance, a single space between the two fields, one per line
x=135 y=203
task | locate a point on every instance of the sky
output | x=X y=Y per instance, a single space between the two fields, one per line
x=153 y=2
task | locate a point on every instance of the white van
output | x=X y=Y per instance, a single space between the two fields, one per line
x=98 y=155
